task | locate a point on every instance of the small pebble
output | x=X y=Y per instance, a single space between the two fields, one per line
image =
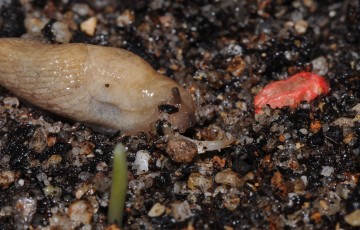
x=236 y=66
x=38 y=141
x=229 y=177
x=126 y=18
x=141 y=163
x=89 y=26
x=11 y=102
x=81 y=190
x=231 y=202
x=60 y=222
x=301 y=26
x=34 y=25
x=81 y=9
x=81 y=211
x=353 y=218
x=181 y=211
x=320 y=66
x=327 y=171
x=61 y=32
x=156 y=210
x=181 y=150
x=87 y=147
x=24 y=208
x=198 y=181
x=52 y=191
x=7 y=178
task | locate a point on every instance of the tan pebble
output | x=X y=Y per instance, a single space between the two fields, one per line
x=198 y=181
x=353 y=218
x=126 y=18
x=54 y=159
x=7 y=178
x=231 y=203
x=229 y=177
x=81 y=211
x=89 y=26
x=60 y=222
x=81 y=190
x=34 y=25
x=38 y=141
x=348 y=138
x=181 y=150
x=301 y=26
x=181 y=210
x=156 y=210
x=228 y=228
x=113 y=227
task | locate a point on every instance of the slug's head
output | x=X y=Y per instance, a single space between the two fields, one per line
x=179 y=108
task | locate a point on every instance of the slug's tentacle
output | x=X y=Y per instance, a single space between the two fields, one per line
x=107 y=87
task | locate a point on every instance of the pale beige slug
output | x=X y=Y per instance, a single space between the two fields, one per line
x=111 y=88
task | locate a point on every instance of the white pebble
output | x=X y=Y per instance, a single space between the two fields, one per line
x=156 y=210
x=320 y=65
x=141 y=164
x=61 y=32
x=181 y=211
x=301 y=26
x=81 y=211
x=327 y=171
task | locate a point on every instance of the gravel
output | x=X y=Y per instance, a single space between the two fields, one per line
x=287 y=169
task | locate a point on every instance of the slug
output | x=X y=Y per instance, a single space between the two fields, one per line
x=109 y=88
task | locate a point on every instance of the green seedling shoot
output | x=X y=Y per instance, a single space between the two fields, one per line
x=118 y=186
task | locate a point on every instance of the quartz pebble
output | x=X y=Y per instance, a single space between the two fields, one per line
x=327 y=171
x=141 y=164
x=320 y=66
x=61 y=32
x=80 y=211
x=181 y=210
x=25 y=208
x=156 y=210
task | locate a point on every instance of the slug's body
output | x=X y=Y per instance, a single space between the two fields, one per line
x=108 y=87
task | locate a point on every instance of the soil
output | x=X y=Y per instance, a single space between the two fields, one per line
x=288 y=168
